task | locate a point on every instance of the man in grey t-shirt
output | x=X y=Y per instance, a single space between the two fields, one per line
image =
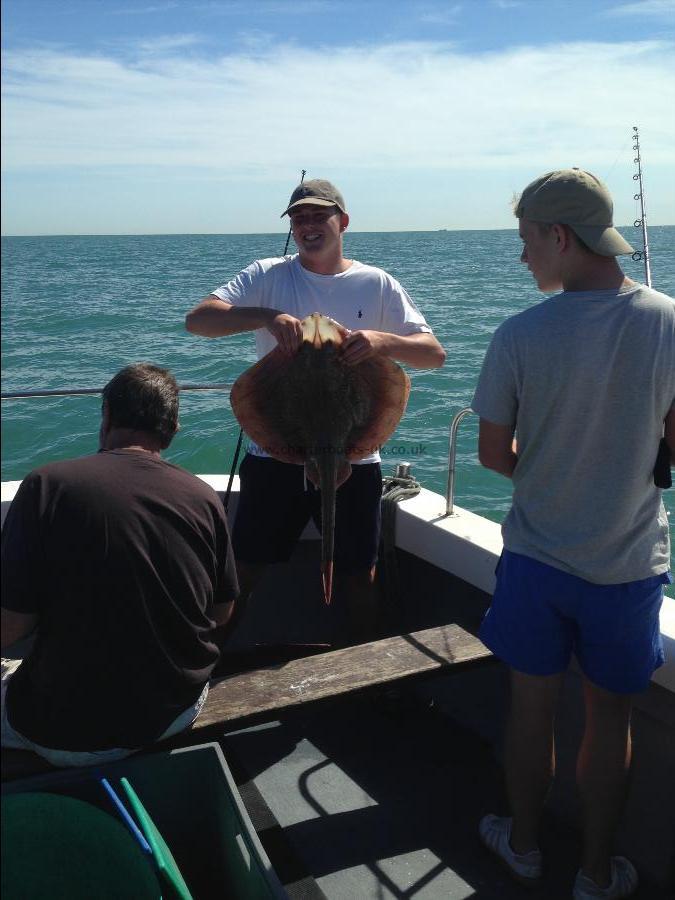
x=586 y=383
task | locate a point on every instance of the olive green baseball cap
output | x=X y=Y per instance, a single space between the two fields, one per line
x=316 y=192
x=578 y=199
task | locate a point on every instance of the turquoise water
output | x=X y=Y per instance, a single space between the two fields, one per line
x=76 y=309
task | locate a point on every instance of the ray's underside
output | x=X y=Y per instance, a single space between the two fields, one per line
x=313 y=409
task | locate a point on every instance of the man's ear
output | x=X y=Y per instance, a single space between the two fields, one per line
x=344 y=221
x=167 y=441
x=104 y=427
x=563 y=237
x=105 y=416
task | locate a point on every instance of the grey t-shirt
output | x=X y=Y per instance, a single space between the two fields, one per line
x=586 y=379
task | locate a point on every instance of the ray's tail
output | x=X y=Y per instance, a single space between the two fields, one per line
x=327 y=465
x=328 y=471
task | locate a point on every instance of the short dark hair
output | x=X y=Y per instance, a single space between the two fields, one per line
x=144 y=397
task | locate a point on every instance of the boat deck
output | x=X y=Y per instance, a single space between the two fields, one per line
x=379 y=795
x=380 y=798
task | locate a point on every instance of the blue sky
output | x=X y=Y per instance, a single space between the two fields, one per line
x=171 y=116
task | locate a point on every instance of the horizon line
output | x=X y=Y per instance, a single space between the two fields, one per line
x=272 y=233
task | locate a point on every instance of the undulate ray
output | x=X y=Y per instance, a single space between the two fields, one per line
x=313 y=409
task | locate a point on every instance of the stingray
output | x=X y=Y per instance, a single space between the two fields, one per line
x=313 y=408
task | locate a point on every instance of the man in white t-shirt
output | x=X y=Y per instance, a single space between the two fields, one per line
x=586 y=382
x=271 y=297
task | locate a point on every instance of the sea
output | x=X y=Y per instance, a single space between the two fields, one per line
x=75 y=309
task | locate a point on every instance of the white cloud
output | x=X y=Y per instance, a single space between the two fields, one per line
x=643 y=8
x=226 y=8
x=399 y=106
x=167 y=6
x=446 y=16
x=165 y=44
x=265 y=7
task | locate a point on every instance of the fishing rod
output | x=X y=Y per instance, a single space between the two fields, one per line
x=235 y=458
x=642 y=221
x=83 y=392
x=662 y=474
x=290 y=227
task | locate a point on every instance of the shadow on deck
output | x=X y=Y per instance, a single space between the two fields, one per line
x=381 y=795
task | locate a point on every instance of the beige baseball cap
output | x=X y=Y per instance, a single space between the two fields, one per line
x=578 y=199
x=316 y=192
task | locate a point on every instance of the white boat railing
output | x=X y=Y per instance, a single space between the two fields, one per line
x=82 y=392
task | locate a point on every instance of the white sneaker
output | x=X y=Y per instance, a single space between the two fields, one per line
x=624 y=880
x=495 y=833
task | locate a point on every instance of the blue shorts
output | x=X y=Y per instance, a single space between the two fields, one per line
x=276 y=503
x=541 y=615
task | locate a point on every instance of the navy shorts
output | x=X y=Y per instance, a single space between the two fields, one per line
x=540 y=615
x=276 y=503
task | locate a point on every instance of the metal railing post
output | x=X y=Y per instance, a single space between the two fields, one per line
x=452 y=454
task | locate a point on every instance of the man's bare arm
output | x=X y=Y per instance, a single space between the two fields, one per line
x=497 y=448
x=213 y=317
x=420 y=350
x=15 y=626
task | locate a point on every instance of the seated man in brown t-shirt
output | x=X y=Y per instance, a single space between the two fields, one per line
x=122 y=564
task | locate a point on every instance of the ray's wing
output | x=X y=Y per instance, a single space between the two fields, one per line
x=389 y=388
x=259 y=397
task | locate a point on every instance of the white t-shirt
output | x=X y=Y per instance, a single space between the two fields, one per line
x=587 y=379
x=362 y=297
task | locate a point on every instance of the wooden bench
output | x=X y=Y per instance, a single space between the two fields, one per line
x=262 y=693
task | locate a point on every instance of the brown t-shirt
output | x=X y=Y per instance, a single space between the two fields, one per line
x=122 y=556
